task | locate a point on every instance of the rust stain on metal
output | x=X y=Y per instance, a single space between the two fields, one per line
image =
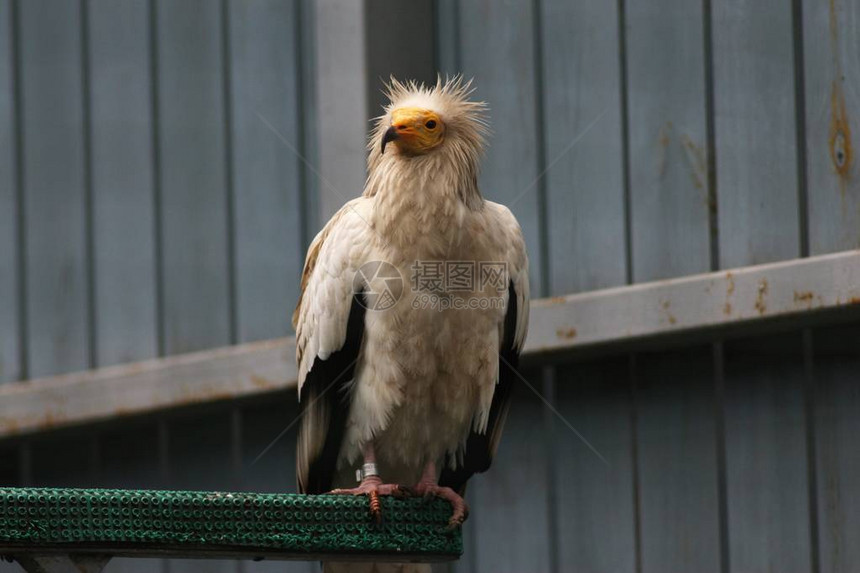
x=854 y=300
x=263 y=383
x=200 y=394
x=840 y=145
x=663 y=139
x=9 y=425
x=51 y=419
x=48 y=420
x=841 y=150
x=123 y=412
x=556 y=300
x=566 y=333
x=761 y=298
x=669 y=316
x=697 y=161
x=730 y=290
x=804 y=297
x=203 y=395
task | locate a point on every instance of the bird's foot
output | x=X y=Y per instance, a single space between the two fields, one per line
x=372 y=487
x=458 y=504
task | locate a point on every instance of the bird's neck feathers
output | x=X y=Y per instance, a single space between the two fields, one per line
x=446 y=173
x=420 y=202
x=428 y=195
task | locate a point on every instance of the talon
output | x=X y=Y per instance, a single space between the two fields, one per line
x=372 y=487
x=458 y=518
x=458 y=504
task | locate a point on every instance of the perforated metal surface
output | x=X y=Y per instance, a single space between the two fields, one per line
x=273 y=526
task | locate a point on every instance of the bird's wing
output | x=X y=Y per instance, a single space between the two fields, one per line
x=329 y=323
x=481 y=446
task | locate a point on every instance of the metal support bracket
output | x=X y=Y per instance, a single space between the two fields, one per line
x=53 y=563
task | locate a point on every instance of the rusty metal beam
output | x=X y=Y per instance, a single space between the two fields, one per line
x=138 y=388
x=789 y=294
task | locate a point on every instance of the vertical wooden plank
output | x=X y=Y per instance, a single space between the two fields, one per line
x=275 y=471
x=62 y=459
x=669 y=195
x=596 y=518
x=122 y=176
x=123 y=179
x=53 y=178
x=404 y=51
x=755 y=126
x=199 y=454
x=837 y=423
x=266 y=171
x=766 y=459
x=129 y=451
x=679 y=519
x=585 y=177
x=195 y=227
x=129 y=456
x=308 y=119
x=193 y=185
x=831 y=67
x=9 y=474
x=676 y=425
x=10 y=353
x=447 y=37
x=498 y=50
x=9 y=477
x=342 y=105
x=755 y=132
x=508 y=501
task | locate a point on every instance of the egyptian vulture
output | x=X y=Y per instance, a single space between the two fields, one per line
x=405 y=365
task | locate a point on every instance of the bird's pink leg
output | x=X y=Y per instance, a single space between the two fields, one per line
x=371 y=486
x=429 y=486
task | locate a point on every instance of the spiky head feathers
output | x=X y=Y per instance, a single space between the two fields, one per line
x=425 y=119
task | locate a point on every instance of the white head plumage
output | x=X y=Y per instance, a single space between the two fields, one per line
x=460 y=148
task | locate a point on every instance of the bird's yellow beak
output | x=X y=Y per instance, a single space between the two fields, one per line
x=414 y=130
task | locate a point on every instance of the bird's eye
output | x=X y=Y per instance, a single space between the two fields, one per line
x=430 y=124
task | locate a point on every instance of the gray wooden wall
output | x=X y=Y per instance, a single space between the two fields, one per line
x=153 y=201
x=722 y=139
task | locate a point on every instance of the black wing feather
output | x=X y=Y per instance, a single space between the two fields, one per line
x=324 y=391
x=480 y=448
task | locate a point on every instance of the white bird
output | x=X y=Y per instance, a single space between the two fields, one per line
x=405 y=367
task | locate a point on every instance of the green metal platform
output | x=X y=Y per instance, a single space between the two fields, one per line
x=88 y=526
